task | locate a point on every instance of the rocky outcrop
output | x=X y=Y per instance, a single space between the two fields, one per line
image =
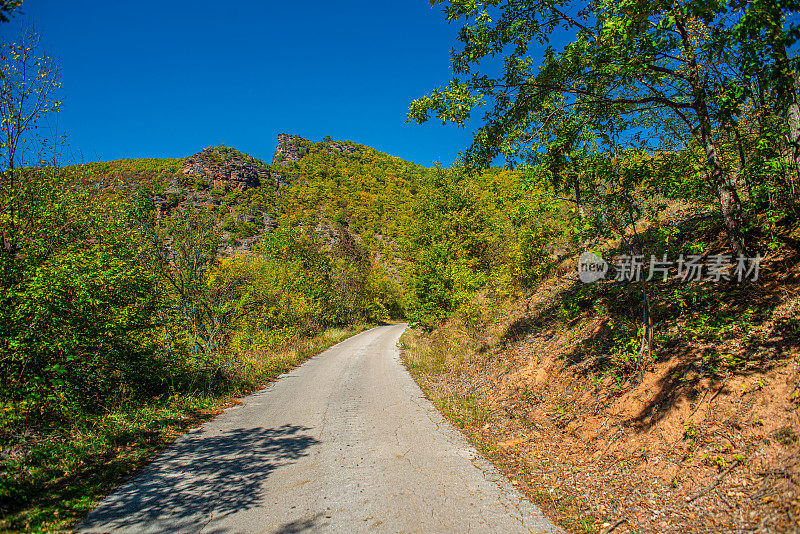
x=227 y=168
x=207 y=178
x=221 y=166
x=291 y=149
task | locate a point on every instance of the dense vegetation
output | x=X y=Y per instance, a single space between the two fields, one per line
x=644 y=105
x=714 y=83
x=111 y=308
x=123 y=317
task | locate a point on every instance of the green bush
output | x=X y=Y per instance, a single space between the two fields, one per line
x=229 y=225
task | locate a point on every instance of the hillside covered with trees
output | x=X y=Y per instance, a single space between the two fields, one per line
x=661 y=142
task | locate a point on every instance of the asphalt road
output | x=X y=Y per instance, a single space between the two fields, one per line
x=344 y=443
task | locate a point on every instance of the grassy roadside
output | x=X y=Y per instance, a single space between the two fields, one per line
x=51 y=477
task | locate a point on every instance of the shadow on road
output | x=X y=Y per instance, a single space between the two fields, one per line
x=301 y=525
x=201 y=473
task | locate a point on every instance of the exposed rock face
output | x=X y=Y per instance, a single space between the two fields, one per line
x=228 y=169
x=220 y=167
x=290 y=149
x=163 y=207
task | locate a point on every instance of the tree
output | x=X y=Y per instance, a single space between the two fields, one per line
x=7 y=7
x=766 y=60
x=184 y=251
x=33 y=217
x=28 y=93
x=634 y=69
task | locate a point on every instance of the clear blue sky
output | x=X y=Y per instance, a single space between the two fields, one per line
x=166 y=79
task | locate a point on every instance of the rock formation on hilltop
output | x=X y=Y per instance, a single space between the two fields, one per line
x=223 y=166
x=290 y=149
x=220 y=178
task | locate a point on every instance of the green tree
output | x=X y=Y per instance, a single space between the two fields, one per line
x=184 y=248
x=28 y=88
x=7 y=7
x=769 y=75
x=454 y=240
x=634 y=70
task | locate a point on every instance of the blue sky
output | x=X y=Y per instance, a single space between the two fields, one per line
x=166 y=79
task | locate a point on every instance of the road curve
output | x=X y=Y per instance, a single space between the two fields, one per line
x=344 y=443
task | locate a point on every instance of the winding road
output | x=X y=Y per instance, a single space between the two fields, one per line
x=344 y=443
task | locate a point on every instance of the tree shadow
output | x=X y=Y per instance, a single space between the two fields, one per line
x=201 y=473
x=301 y=525
x=543 y=318
x=681 y=380
x=312 y=523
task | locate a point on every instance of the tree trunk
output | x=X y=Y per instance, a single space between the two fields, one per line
x=787 y=95
x=742 y=163
x=577 y=187
x=729 y=203
x=10 y=241
x=793 y=134
x=728 y=197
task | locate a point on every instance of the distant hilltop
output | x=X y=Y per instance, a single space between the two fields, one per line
x=292 y=148
x=223 y=166
x=221 y=178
